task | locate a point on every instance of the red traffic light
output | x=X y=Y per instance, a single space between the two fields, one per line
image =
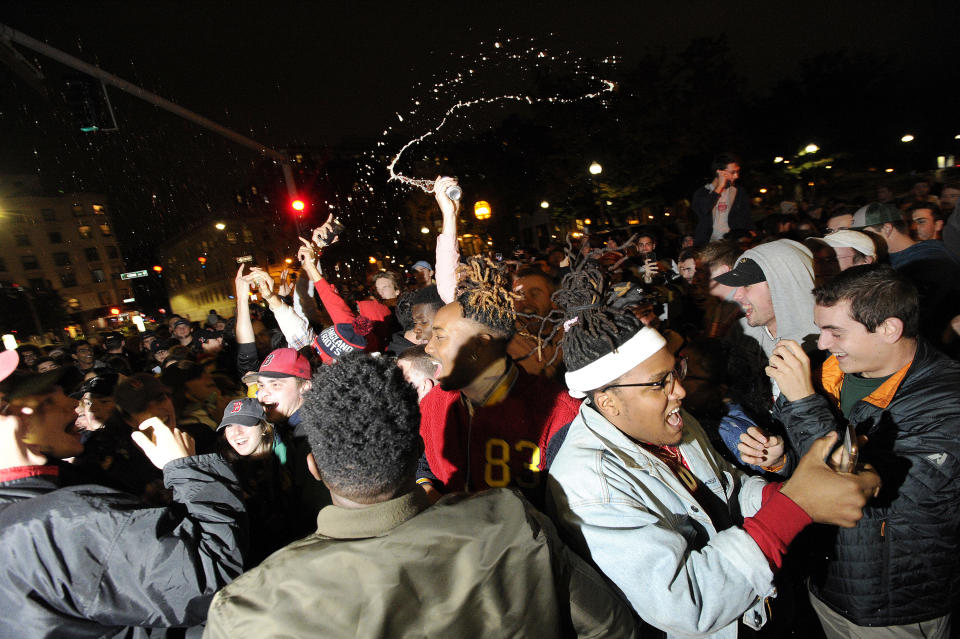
x=158 y=268
x=114 y=311
x=298 y=205
x=202 y=259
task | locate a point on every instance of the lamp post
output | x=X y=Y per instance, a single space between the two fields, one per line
x=596 y=169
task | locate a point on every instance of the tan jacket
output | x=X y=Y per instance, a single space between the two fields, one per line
x=483 y=565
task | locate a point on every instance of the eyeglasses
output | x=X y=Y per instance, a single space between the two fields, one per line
x=666 y=384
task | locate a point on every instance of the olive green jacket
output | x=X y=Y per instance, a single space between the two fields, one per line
x=483 y=565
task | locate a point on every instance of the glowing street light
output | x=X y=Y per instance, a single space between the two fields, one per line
x=778 y=159
x=595 y=169
x=811 y=148
x=298 y=205
x=763 y=190
x=481 y=210
x=907 y=138
x=888 y=170
x=424 y=230
x=544 y=204
x=373 y=260
x=220 y=226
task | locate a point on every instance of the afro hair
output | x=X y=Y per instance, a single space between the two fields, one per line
x=363 y=423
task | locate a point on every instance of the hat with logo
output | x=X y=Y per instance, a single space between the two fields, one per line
x=245 y=412
x=875 y=214
x=745 y=273
x=336 y=341
x=849 y=239
x=285 y=362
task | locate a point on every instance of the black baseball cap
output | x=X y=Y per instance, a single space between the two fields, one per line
x=745 y=273
x=102 y=386
x=245 y=412
x=20 y=385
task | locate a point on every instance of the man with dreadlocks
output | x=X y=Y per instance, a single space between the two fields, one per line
x=487 y=423
x=638 y=489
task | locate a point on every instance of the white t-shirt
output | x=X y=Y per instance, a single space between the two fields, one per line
x=721 y=213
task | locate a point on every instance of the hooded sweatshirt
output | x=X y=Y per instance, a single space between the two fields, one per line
x=788 y=266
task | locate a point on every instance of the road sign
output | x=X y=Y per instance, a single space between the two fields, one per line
x=132 y=275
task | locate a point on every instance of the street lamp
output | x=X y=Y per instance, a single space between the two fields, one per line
x=778 y=159
x=481 y=210
x=907 y=138
x=220 y=226
x=544 y=204
x=595 y=169
x=811 y=148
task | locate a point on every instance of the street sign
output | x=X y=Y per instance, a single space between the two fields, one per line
x=132 y=275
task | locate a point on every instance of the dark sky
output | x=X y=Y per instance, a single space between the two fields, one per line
x=317 y=73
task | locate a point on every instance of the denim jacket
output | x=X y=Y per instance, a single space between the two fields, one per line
x=625 y=509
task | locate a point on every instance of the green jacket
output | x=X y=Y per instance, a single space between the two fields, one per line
x=482 y=565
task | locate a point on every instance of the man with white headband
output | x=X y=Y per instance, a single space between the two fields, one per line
x=637 y=488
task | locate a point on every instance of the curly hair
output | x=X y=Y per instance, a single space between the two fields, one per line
x=592 y=328
x=362 y=420
x=486 y=295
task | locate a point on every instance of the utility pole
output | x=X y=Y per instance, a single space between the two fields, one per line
x=9 y=36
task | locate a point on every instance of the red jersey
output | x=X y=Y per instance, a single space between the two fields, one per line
x=502 y=443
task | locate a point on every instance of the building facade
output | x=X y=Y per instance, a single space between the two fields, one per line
x=63 y=243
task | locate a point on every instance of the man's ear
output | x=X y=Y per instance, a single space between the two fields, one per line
x=607 y=403
x=306 y=386
x=426 y=385
x=891 y=329
x=312 y=467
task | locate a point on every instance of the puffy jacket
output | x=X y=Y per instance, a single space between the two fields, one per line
x=900 y=564
x=88 y=561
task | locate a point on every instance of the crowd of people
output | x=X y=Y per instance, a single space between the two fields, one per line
x=752 y=429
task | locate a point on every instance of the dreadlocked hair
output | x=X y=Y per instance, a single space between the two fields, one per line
x=591 y=327
x=486 y=296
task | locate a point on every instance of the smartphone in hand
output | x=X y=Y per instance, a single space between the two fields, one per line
x=844 y=454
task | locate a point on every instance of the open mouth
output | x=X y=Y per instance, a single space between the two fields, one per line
x=674 y=420
x=239 y=443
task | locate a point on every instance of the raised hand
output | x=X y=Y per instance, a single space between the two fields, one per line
x=285 y=287
x=161 y=444
x=242 y=284
x=789 y=367
x=447 y=206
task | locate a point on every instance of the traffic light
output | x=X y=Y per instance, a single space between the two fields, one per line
x=114 y=311
x=298 y=205
x=203 y=261
x=88 y=102
x=158 y=269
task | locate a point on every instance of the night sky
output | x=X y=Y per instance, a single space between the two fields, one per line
x=318 y=73
x=337 y=74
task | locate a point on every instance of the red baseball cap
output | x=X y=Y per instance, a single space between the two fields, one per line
x=285 y=362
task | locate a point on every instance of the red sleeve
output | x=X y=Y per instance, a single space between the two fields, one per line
x=775 y=525
x=20 y=472
x=338 y=310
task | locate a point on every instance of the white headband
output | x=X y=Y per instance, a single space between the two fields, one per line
x=612 y=365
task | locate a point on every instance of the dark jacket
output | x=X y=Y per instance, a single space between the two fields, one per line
x=900 y=564
x=88 y=561
x=705 y=199
x=485 y=565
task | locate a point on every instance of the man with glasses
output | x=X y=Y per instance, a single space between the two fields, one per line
x=638 y=489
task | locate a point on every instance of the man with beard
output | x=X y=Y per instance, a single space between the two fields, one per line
x=489 y=422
